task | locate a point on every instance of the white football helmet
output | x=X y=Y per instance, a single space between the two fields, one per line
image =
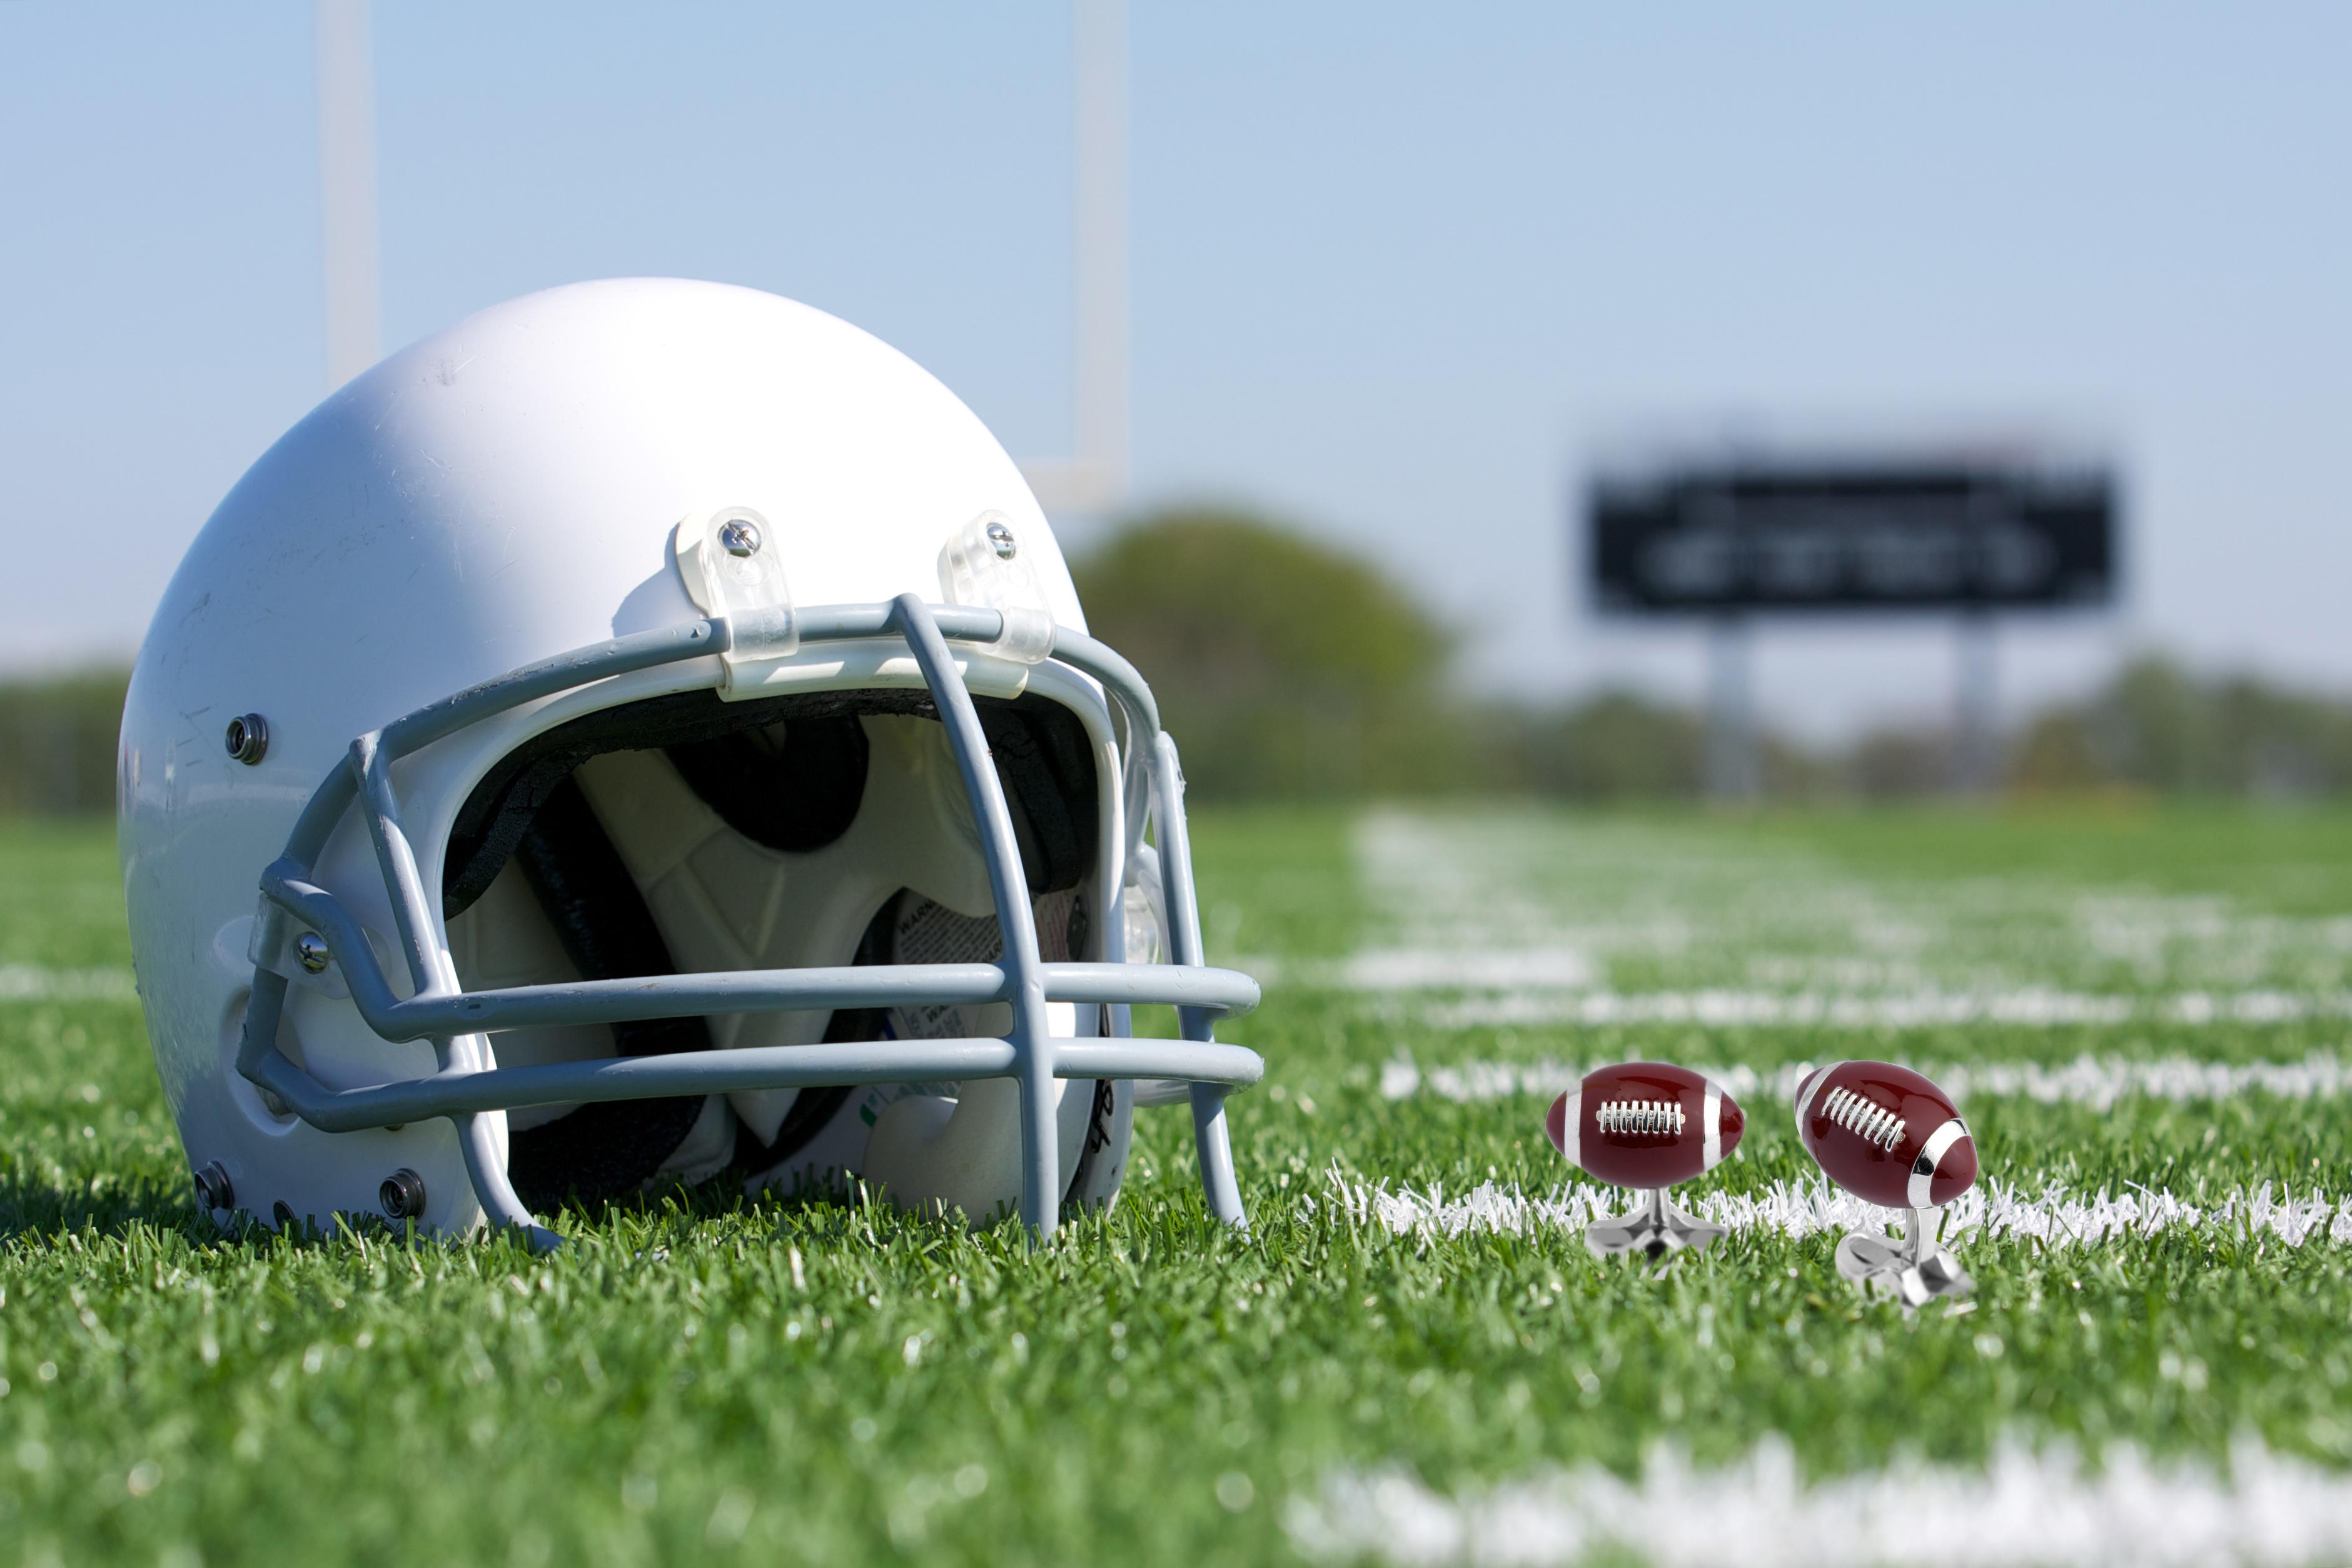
x=717 y=777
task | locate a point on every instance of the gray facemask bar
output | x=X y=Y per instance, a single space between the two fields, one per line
x=455 y=1020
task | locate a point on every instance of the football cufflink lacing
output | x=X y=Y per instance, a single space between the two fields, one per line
x=1647 y=1126
x=1880 y=1131
x=1890 y=1137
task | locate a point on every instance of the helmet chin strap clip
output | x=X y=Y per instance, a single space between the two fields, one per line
x=984 y=564
x=728 y=562
x=730 y=566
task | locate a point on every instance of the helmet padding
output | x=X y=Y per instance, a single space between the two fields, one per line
x=683 y=834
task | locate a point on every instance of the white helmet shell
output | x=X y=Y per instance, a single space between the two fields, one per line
x=503 y=494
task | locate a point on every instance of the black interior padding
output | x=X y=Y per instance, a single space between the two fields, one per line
x=492 y=820
x=793 y=786
x=774 y=797
x=1022 y=747
x=599 y=1151
x=1065 y=788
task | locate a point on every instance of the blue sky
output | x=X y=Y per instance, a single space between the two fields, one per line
x=1398 y=271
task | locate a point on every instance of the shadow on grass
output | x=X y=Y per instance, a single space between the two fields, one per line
x=43 y=1212
x=38 y=1207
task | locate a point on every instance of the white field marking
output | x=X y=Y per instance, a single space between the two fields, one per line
x=1437 y=969
x=2023 y=1508
x=2099 y=1082
x=34 y=983
x=1503 y=901
x=2058 y=1217
x=2032 y=1007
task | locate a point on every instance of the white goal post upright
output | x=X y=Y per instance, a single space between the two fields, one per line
x=347 y=204
x=1093 y=479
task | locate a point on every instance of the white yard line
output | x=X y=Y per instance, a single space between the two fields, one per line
x=2023 y=1508
x=2096 y=1081
x=34 y=983
x=1545 y=910
x=2058 y=1216
x=1450 y=968
x=1735 y=1007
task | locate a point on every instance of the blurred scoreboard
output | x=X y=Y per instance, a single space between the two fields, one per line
x=1746 y=535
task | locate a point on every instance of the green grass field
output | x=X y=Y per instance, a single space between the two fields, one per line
x=698 y=1377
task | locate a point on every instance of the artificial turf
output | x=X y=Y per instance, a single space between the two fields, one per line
x=696 y=1375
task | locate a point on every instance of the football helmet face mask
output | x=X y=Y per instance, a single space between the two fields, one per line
x=666 y=739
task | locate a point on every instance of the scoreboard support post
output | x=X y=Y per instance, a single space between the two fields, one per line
x=1733 y=772
x=1975 y=707
x=1974 y=536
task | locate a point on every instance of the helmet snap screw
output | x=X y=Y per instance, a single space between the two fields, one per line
x=310 y=952
x=403 y=1195
x=739 y=537
x=1001 y=540
x=213 y=1189
x=248 y=737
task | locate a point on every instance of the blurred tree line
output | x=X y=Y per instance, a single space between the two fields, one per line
x=57 y=742
x=1287 y=669
x=2159 y=726
x=1282 y=667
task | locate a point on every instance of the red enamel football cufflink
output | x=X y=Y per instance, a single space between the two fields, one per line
x=1881 y=1132
x=1646 y=1126
x=1890 y=1137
